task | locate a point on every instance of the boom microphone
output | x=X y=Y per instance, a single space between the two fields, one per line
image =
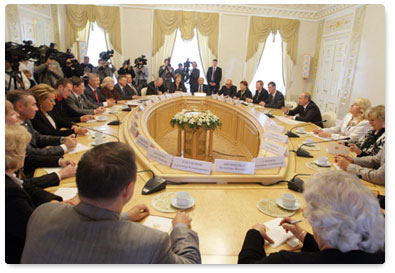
x=94 y=130
x=303 y=153
x=291 y=134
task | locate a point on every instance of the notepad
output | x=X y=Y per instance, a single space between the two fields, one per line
x=79 y=148
x=66 y=193
x=160 y=223
x=277 y=233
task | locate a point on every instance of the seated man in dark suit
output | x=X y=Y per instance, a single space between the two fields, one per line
x=228 y=90
x=261 y=94
x=275 y=98
x=93 y=93
x=156 y=87
x=307 y=110
x=77 y=103
x=95 y=231
x=201 y=87
x=124 y=90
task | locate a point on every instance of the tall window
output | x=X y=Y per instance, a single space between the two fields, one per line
x=270 y=68
x=186 y=49
x=96 y=44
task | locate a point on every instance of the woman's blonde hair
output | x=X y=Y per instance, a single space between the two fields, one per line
x=364 y=104
x=16 y=140
x=177 y=76
x=8 y=107
x=343 y=212
x=106 y=81
x=41 y=92
x=378 y=112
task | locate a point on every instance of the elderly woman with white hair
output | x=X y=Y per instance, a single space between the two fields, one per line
x=354 y=124
x=348 y=226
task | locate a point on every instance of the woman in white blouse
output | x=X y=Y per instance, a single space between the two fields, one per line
x=354 y=125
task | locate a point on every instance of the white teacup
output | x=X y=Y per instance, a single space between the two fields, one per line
x=98 y=138
x=183 y=198
x=322 y=160
x=101 y=118
x=300 y=130
x=288 y=200
x=308 y=142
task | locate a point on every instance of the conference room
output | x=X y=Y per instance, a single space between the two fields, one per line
x=213 y=134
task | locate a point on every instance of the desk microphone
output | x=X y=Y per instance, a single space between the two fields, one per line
x=114 y=122
x=303 y=153
x=291 y=134
x=269 y=115
x=94 y=130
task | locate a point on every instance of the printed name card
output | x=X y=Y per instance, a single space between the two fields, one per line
x=269 y=162
x=231 y=166
x=159 y=156
x=136 y=115
x=214 y=96
x=271 y=125
x=229 y=100
x=275 y=136
x=169 y=96
x=192 y=165
x=143 y=142
x=141 y=107
x=162 y=97
x=155 y=99
x=221 y=98
x=133 y=130
x=148 y=103
x=274 y=148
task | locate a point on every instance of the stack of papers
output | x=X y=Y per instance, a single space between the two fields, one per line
x=279 y=235
x=161 y=223
x=66 y=193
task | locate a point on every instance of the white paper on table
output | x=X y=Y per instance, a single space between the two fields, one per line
x=337 y=167
x=337 y=149
x=66 y=193
x=52 y=170
x=288 y=121
x=277 y=233
x=159 y=223
x=79 y=148
x=317 y=136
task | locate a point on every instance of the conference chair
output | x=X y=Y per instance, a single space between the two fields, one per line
x=290 y=104
x=143 y=91
x=330 y=118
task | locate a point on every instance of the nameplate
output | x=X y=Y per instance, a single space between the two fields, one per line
x=177 y=94
x=274 y=148
x=214 y=96
x=158 y=156
x=275 y=136
x=192 y=165
x=169 y=96
x=141 y=107
x=271 y=125
x=221 y=98
x=229 y=100
x=136 y=115
x=148 y=103
x=133 y=130
x=231 y=166
x=162 y=97
x=269 y=162
x=143 y=142
x=155 y=99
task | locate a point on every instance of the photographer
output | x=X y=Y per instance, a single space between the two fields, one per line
x=180 y=71
x=166 y=72
x=22 y=82
x=72 y=68
x=104 y=69
x=141 y=72
x=49 y=72
x=86 y=66
x=193 y=78
x=127 y=69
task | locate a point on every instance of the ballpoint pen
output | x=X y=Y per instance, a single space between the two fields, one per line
x=293 y=222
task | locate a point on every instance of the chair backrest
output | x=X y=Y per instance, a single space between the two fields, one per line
x=143 y=91
x=330 y=118
x=290 y=104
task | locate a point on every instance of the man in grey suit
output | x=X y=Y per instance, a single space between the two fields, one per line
x=77 y=104
x=95 y=231
x=125 y=91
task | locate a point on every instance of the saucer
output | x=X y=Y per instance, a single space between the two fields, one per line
x=114 y=112
x=279 y=202
x=302 y=133
x=328 y=164
x=101 y=119
x=173 y=202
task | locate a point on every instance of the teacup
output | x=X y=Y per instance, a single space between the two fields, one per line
x=288 y=200
x=300 y=130
x=308 y=142
x=322 y=160
x=183 y=198
x=98 y=138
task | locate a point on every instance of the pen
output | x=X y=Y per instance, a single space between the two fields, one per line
x=293 y=222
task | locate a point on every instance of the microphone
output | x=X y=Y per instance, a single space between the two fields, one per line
x=303 y=153
x=270 y=115
x=114 y=122
x=291 y=134
x=94 y=130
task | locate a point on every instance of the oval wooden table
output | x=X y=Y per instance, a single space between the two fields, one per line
x=223 y=212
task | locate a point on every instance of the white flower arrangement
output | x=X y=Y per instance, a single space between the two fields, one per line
x=195 y=120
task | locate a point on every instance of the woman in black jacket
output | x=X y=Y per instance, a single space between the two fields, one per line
x=244 y=92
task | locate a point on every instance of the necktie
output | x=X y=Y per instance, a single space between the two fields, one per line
x=212 y=76
x=122 y=93
x=97 y=98
x=80 y=102
x=200 y=88
x=272 y=99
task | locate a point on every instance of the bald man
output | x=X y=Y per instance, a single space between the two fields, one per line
x=202 y=88
x=228 y=90
x=306 y=111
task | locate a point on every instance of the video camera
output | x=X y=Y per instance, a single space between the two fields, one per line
x=140 y=61
x=106 y=55
x=187 y=64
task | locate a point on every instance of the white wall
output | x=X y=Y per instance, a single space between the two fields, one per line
x=370 y=76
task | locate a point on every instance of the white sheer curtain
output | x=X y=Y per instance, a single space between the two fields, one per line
x=206 y=55
x=253 y=62
x=287 y=71
x=116 y=58
x=164 y=52
x=82 y=36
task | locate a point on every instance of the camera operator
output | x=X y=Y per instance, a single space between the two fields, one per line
x=72 y=68
x=180 y=70
x=49 y=72
x=166 y=72
x=194 y=77
x=104 y=69
x=22 y=82
x=142 y=73
x=86 y=66
x=127 y=68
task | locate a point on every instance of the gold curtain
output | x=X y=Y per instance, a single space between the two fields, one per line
x=166 y=22
x=260 y=28
x=108 y=18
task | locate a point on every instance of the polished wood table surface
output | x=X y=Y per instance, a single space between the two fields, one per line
x=223 y=213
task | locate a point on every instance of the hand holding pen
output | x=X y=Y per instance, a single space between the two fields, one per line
x=292 y=225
